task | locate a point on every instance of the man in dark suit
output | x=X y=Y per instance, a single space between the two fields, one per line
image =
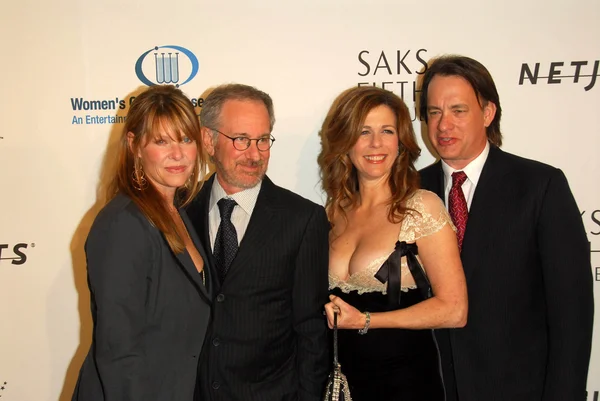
x=268 y=336
x=524 y=250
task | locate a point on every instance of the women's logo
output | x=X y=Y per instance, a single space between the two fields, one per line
x=167 y=66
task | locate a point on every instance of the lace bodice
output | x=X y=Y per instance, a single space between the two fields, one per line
x=427 y=217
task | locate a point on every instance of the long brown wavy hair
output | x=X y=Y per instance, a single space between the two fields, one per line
x=340 y=132
x=157 y=108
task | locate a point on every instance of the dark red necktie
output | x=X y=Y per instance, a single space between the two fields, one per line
x=457 y=205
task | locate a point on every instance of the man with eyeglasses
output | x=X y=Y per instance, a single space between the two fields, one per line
x=268 y=337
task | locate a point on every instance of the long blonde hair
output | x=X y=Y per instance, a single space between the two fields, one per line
x=157 y=107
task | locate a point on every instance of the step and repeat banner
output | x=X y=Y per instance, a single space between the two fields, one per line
x=71 y=69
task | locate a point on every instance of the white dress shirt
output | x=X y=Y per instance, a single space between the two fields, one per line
x=240 y=217
x=473 y=172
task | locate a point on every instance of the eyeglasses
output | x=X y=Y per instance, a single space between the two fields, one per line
x=242 y=142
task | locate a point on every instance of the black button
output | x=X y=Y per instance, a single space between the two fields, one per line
x=216 y=385
x=216 y=342
x=194 y=356
x=220 y=297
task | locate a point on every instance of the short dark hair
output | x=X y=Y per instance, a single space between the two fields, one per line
x=477 y=76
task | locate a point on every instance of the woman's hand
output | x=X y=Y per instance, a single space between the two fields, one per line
x=348 y=316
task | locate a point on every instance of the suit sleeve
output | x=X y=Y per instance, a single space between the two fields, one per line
x=118 y=256
x=565 y=256
x=309 y=297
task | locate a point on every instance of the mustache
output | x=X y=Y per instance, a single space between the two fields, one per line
x=252 y=163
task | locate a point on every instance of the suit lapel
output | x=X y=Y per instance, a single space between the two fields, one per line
x=259 y=231
x=487 y=195
x=198 y=214
x=437 y=181
x=186 y=261
x=201 y=213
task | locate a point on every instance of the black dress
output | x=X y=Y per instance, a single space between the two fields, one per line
x=389 y=364
x=392 y=364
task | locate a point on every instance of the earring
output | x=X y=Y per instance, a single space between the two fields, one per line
x=139 y=178
x=188 y=182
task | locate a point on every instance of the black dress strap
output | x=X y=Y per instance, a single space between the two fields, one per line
x=390 y=272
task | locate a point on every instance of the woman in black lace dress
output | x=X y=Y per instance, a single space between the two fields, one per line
x=394 y=270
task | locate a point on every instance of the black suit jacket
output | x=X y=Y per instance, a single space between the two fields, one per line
x=268 y=336
x=149 y=307
x=527 y=263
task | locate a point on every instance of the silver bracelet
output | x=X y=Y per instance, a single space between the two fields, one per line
x=367 y=322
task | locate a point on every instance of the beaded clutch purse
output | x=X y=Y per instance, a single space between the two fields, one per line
x=337 y=385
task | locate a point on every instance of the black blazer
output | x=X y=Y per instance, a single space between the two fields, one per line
x=149 y=307
x=268 y=336
x=527 y=263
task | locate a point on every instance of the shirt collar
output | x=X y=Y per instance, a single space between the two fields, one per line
x=472 y=170
x=245 y=199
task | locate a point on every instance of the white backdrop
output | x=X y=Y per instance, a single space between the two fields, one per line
x=59 y=54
